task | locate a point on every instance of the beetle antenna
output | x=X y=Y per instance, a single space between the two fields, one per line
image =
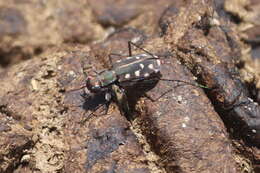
x=189 y=83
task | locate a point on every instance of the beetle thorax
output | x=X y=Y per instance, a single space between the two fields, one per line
x=107 y=77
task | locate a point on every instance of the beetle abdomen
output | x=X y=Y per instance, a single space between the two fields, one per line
x=137 y=67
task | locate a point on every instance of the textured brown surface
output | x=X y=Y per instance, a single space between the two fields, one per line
x=28 y=27
x=247 y=14
x=46 y=127
x=184 y=129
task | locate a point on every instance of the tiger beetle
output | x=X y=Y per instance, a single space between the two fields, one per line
x=128 y=71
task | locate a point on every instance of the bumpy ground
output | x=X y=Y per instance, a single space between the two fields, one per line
x=48 y=47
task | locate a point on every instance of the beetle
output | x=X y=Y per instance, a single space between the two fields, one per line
x=131 y=70
x=124 y=72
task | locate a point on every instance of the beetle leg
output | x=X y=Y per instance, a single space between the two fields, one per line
x=186 y=82
x=122 y=102
x=130 y=44
x=93 y=112
x=110 y=57
x=106 y=107
x=84 y=95
x=154 y=100
x=129 y=47
x=165 y=54
x=103 y=112
x=98 y=72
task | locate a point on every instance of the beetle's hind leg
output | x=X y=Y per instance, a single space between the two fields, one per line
x=130 y=44
x=154 y=100
x=179 y=83
x=113 y=55
x=90 y=99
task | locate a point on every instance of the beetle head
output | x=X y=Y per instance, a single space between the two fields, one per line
x=93 y=84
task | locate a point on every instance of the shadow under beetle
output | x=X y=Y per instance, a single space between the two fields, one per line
x=134 y=69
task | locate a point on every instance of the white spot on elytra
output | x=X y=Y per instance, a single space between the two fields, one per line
x=127 y=76
x=184 y=125
x=158 y=62
x=137 y=73
x=186 y=119
x=118 y=61
x=146 y=74
x=156 y=70
x=150 y=66
x=129 y=57
x=142 y=66
x=137 y=57
x=251 y=100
